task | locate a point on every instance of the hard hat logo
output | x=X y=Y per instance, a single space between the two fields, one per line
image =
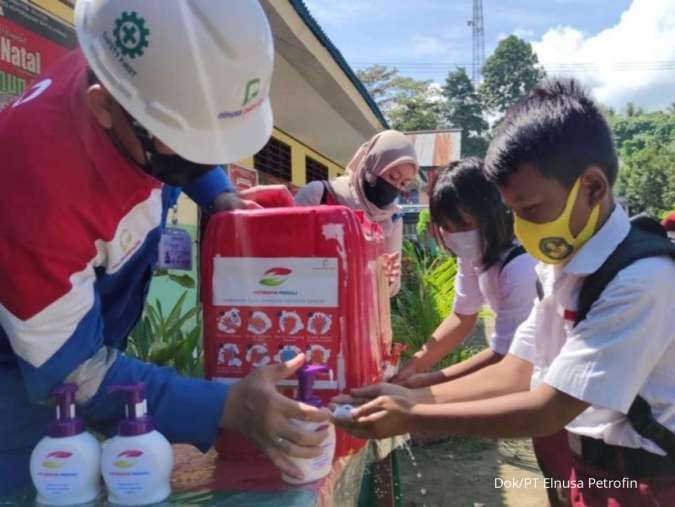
x=252 y=90
x=135 y=47
x=131 y=35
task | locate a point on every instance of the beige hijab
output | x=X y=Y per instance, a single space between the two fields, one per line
x=384 y=151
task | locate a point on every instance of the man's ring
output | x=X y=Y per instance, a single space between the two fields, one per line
x=281 y=443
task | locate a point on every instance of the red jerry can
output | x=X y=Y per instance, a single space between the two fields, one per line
x=280 y=281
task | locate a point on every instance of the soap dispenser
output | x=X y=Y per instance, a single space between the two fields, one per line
x=137 y=463
x=317 y=468
x=65 y=464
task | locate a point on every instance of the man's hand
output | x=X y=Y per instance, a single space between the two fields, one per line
x=257 y=410
x=228 y=201
x=382 y=417
x=269 y=196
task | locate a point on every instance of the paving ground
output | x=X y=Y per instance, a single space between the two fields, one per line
x=465 y=472
x=471 y=472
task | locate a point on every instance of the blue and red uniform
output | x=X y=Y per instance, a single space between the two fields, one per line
x=79 y=231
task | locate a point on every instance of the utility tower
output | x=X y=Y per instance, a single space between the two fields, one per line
x=478 y=30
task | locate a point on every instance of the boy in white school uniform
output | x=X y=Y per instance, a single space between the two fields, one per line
x=602 y=367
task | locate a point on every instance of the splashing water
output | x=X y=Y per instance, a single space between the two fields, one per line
x=423 y=491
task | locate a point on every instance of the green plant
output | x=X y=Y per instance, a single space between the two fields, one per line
x=426 y=295
x=184 y=280
x=172 y=339
x=425 y=299
x=423 y=223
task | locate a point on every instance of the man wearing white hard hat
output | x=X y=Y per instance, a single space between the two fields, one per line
x=160 y=93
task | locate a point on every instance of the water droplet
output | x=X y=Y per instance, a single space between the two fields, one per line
x=423 y=491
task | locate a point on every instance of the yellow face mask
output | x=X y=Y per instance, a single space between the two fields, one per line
x=552 y=242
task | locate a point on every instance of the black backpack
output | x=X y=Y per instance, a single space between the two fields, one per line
x=516 y=251
x=647 y=238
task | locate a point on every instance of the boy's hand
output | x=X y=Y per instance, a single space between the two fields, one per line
x=257 y=410
x=408 y=370
x=365 y=394
x=420 y=380
x=382 y=417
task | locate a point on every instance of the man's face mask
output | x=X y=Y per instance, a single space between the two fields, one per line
x=552 y=242
x=382 y=193
x=170 y=169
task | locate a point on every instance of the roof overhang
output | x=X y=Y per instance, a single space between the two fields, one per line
x=315 y=96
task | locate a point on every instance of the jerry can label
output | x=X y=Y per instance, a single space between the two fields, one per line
x=267 y=310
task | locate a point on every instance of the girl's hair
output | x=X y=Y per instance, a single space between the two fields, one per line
x=462 y=187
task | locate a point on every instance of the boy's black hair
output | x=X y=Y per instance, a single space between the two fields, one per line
x=559 y=129
x=462 y=187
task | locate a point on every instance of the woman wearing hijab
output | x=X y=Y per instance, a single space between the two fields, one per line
x=375 y=177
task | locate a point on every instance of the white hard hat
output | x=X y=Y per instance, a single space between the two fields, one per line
x=195 y=74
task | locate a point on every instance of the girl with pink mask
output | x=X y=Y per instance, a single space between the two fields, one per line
x=471 y=222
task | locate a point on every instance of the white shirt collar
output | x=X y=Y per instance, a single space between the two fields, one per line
x=591 y=256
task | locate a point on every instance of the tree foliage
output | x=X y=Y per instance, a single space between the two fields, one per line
x=408 y=104
x=510 y=73
x=646 y=144
x=463 y=109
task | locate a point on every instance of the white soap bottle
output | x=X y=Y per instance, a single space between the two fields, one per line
x=317 y=468
x=137 y=463
x=65 y=464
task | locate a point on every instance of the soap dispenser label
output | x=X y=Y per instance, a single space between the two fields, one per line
x=58 y=473
x=128 y=472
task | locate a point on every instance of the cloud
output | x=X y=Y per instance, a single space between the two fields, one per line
x=633 y=61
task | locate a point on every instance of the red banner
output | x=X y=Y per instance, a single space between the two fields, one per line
x=30 y=41
x=242 y=178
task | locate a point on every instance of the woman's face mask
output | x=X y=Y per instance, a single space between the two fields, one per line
x=382 y=193
x=465 y=244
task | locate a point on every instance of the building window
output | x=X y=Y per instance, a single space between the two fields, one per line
x=316 y=171
x=274 y=159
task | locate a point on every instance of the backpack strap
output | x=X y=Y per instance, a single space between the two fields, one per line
x=516 y=251
x=646 y=239
x=645 y=424
x=328 y=197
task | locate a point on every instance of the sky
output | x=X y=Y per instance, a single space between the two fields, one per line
x=623 y=50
